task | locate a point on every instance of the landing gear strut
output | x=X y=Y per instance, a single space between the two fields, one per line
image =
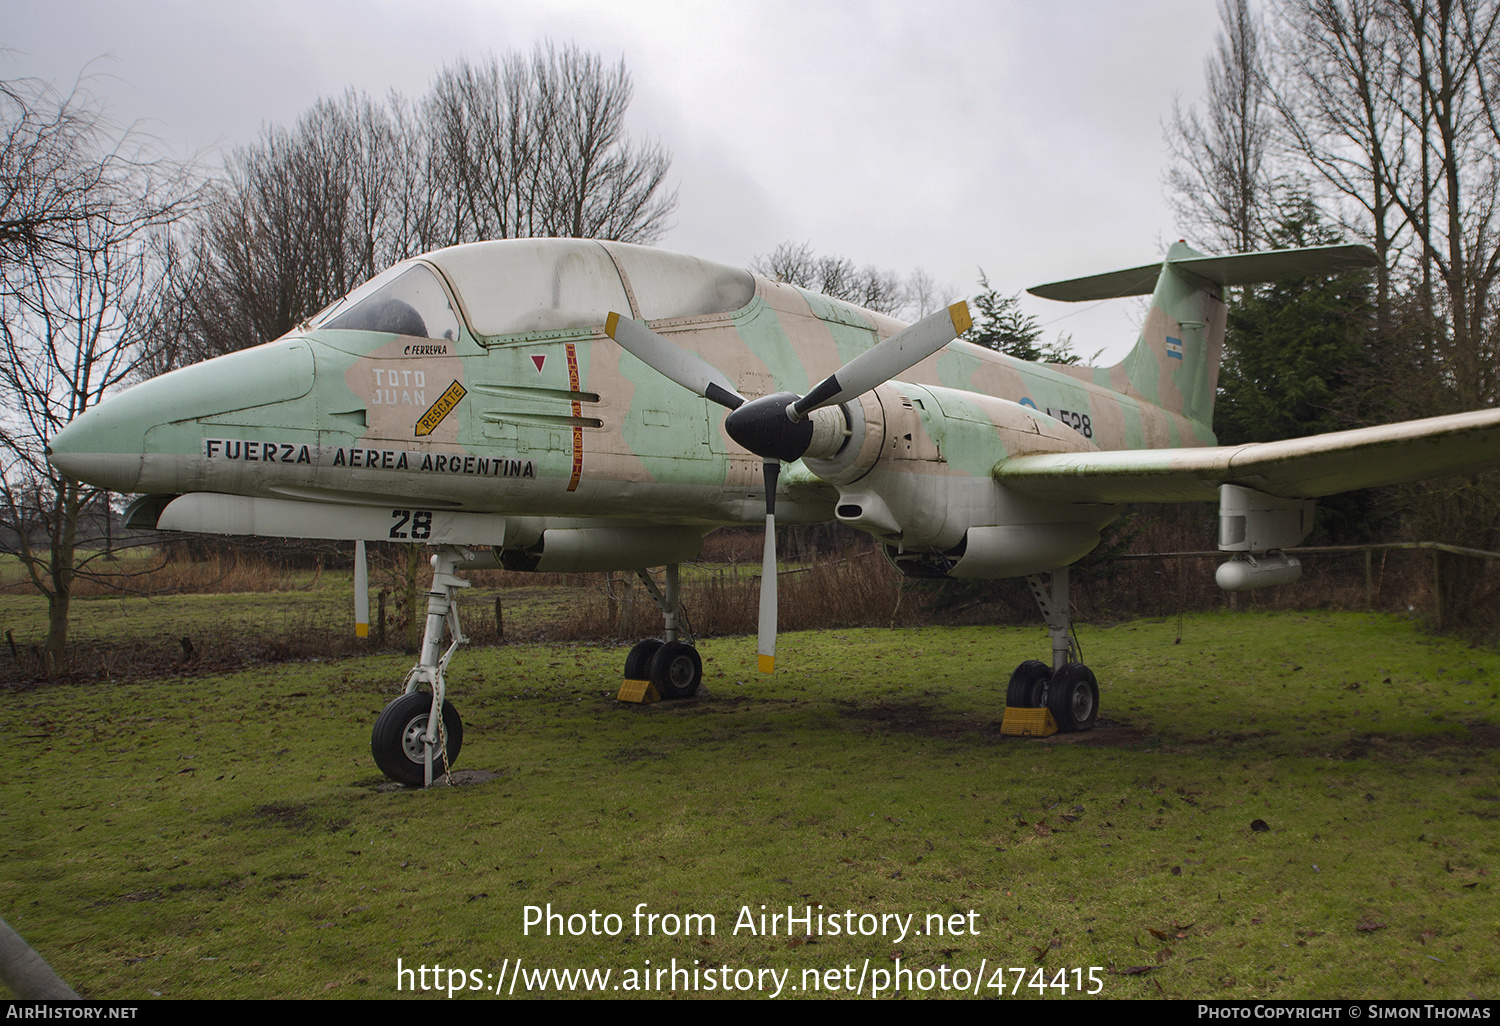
x=671 y=665
x=1068 y=688
x=418 y=735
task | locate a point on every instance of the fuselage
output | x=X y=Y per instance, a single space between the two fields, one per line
x=480 y=379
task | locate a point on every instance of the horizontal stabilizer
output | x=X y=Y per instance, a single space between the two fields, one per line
x=1297 y=468
x=1236 y=269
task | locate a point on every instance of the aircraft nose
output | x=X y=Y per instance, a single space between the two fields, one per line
x=85 y=451
x=147 y=439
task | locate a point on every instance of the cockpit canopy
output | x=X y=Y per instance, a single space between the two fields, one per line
x=406 y=299
x=523 y=285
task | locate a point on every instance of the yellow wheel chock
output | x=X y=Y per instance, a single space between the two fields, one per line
x=642 y=691
x=1028 y=722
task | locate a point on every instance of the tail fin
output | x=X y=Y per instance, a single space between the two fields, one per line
x=1175 y=364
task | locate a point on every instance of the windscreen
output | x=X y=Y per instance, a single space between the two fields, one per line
x=403 y=301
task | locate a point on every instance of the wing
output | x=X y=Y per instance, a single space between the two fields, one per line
x=1297 y=468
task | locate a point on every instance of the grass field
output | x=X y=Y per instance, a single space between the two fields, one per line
x=1281 y=805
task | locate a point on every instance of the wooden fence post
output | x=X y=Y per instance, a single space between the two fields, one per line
x=1437 y=589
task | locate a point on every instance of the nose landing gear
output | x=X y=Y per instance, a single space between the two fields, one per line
x=417 y=736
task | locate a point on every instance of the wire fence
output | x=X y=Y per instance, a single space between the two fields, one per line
x=1368 y=551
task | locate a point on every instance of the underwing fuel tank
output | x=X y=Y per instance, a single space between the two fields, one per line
x=1246 y=572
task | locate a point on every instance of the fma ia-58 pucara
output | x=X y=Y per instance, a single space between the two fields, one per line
x=570 y=405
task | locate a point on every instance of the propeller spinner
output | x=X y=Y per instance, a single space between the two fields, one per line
x=779 y=428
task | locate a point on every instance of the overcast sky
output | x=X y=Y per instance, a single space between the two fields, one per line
x=1020 y=136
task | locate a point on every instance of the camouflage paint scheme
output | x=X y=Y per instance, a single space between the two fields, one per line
x=477 y=397
x=528 y=415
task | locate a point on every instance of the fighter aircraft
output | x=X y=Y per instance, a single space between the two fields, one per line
x=560 y=405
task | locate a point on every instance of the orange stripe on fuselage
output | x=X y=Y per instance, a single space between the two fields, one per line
x=577 y=412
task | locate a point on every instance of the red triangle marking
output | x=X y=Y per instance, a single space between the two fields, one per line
x=538 y=359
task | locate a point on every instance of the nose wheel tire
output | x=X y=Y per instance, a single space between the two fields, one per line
x=676 y=670
x=396 y=741
x=1073 y=697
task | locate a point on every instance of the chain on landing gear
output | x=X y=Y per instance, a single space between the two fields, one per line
x=417 y=736
x=659 y=668
x=1041 y=700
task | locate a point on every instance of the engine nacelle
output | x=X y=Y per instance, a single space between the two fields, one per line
x=1007 y=550
x=577 y=550
x=916 y=474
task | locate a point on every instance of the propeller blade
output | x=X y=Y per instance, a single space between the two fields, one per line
x=878 y=365
x=361 y=592
x=690 y=371
x=767 y=629
x=774 y=427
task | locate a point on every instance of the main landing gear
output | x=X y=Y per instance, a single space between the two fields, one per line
x=1067 y=687
x=417 y=736
x=671 y=665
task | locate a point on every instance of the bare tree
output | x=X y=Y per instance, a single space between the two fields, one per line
x=1336 y=64
x=1449 y=195
x=924 y=295
x=1221 y=178
x=838 y=277
x=1387 y=109
x=535 y=146
x=1450 y=105
x=417 y=221
x=45 y=188
x=525 y=147
x=79 y=295
x=296 y=221
x=490 y=128
x=1392 y=105
x=605 y=186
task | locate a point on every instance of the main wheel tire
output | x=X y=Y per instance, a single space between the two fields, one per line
x=676 y=670
x=638 y=662
x=1028 y=685
x=1074 y=698
x=396 y=741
